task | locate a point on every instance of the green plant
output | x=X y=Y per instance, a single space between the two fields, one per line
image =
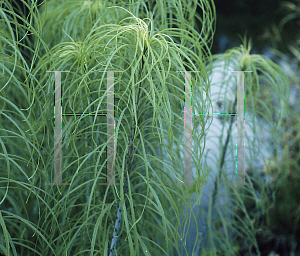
x=262 y=112
x=93 y=36
x=273 y=206
x=149 y=42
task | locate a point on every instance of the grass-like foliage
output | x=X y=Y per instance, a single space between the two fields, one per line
x=148 y=42
x=85 y=38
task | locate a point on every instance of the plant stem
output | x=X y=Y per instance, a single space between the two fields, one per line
x=126 y=176
x=216 y=184
x=224 y=149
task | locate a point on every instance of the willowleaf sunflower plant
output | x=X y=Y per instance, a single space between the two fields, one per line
x=142 y=214
x=148 y=43
x=266 y=108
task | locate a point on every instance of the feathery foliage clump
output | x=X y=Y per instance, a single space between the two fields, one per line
x=85 y=38
x=264 y=218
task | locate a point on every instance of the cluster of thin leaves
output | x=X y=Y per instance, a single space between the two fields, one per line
x=266 y=107
x=86 y=38
x=264 y=218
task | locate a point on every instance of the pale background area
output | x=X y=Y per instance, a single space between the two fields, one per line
x=212 y=150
